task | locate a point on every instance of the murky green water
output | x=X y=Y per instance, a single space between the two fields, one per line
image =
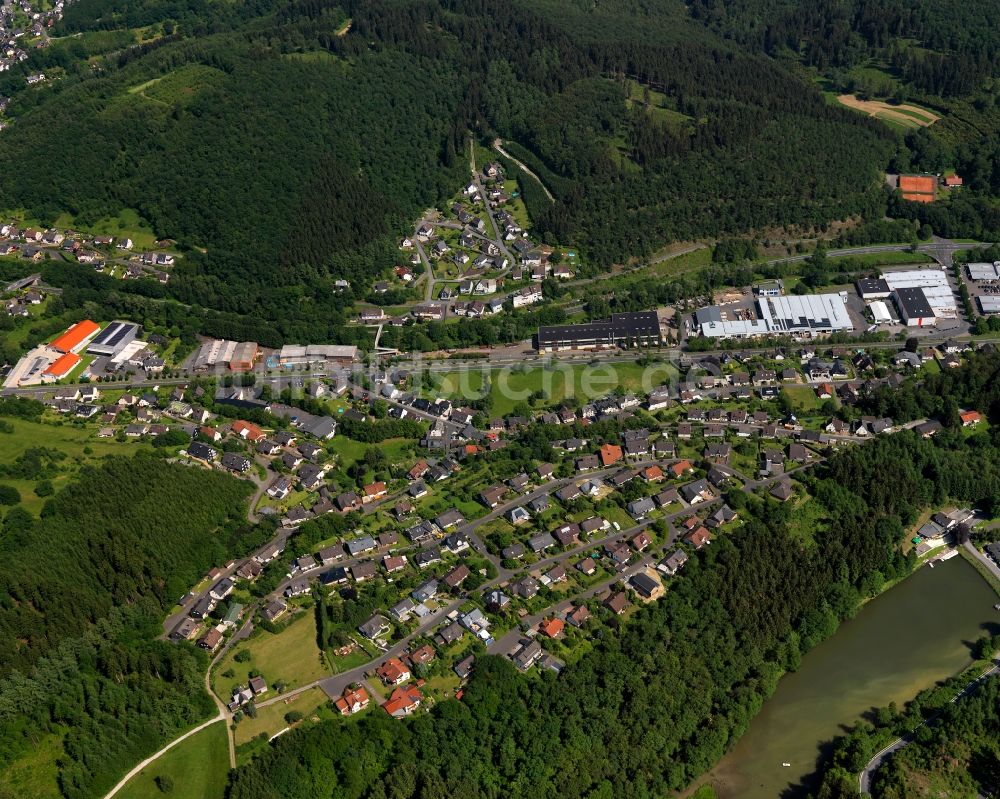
x=901 y=642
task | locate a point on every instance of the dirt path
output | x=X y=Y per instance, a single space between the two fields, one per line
x=498 y=146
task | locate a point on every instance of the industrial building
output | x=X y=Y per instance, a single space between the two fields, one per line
x=244 y=355
x=295 y=354
x=113 y=339
x=989 y=303
x=873 y=289
x=914 y=309
x=983 y=271
x=880 y=313
x=922 y=296
x=639 y=328
x=76 y=337
x=60 y=367
x=792 y=315
x=238 y=356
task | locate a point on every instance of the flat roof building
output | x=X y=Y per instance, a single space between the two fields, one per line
x=638 y=328
x=989 y=303
x=782 y=315
x=113 y=339
x=983 y=271
x=873 y=288
x=292 y=354
x=914 y=309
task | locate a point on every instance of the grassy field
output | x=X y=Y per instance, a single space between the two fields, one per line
x=198 y=768
x=36 y=774
x=802 y=398
x=583 y=382
x=271 y=719
x=893 y=258
x=80 y=444
x=290 y=656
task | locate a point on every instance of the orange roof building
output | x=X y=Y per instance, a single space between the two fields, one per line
x=62 y=366
x=393 y=672
x=610 y=453
x=918 y=188
x=76 y=336
x=552 y=627
x=403 y=701
x=970 y=418
x=247 y=431
x=353 y=701
x=952 y=181
x=679 y=468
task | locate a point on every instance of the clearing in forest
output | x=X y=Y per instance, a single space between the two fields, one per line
x=907 y=116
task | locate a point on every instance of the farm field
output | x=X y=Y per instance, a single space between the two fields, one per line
x=197 y=768
x=291 y=656
x=906 y=116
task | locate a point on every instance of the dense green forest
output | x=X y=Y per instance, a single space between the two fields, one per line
x=953 y=749
x=281 y=154
x=663 y=697
x=84 y=589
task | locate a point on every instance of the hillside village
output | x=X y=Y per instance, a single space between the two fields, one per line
x=513 y=534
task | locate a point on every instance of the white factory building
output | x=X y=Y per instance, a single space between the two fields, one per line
x=984 y=271
x=777 y=316
x=922 y=296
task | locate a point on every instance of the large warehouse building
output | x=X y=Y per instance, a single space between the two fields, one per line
x=113 y=339
x=922 y=296
x=640 y=328
x=989 y=303
x=297 y=354
x=76 y=337
x=780 y=316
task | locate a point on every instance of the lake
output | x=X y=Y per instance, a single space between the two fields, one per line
x=901 y=642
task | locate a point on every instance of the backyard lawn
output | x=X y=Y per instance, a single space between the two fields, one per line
x=197 y=767
x=290 y=656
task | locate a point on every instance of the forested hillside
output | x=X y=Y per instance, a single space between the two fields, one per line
x=84 y=590
x=661 y=699
x=283 y=148
x=943 y=54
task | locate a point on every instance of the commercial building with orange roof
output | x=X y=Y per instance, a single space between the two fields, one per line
x=76 y=336
x=61 y=367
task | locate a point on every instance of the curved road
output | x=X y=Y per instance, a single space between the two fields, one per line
x=865 y=778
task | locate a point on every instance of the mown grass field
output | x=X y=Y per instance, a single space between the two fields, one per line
x=198 y=768
x=583 y=382
x=291 y=656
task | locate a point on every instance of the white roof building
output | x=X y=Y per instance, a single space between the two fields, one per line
x=880 y=313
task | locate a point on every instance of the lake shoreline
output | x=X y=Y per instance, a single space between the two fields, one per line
x=898 y=648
